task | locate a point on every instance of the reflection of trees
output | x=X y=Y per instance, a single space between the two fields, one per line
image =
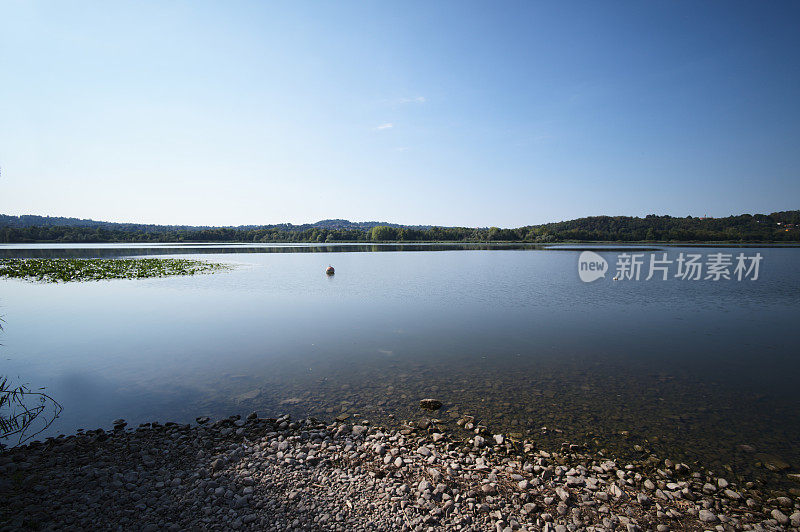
x=112 y=252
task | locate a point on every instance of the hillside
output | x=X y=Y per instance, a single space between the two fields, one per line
x=776 y=227
x=31 y=220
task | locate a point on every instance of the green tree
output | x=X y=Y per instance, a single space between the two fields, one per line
x=383 y=233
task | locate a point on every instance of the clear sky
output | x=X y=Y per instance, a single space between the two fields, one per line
x=448 y=113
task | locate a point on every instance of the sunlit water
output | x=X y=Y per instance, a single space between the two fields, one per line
x=691 y=369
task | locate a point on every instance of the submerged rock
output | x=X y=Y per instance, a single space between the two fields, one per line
x=430 y=404
x=248 y=396
x=772 y=462
x=292 y=401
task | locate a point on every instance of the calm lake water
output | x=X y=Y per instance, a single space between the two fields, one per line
x=691 y=369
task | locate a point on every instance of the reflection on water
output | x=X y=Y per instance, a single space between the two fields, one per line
x=118 y=250
x=690 y=369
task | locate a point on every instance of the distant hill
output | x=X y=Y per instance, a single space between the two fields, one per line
x=31 y=220
x=776 y=227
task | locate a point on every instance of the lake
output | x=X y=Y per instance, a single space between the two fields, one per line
x=508 y=334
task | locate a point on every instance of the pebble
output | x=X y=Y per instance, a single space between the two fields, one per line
x=780 y=517
x=283 y=474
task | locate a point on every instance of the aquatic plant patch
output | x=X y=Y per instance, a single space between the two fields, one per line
x=67 y=270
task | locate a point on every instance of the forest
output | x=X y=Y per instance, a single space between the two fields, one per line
x=776 y=227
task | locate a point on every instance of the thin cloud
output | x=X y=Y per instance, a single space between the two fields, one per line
x=418 y=99
x=387 y=125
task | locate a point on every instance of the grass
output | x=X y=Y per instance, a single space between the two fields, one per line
x=68 y=270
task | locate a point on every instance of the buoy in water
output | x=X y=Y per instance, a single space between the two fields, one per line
x=329 y=270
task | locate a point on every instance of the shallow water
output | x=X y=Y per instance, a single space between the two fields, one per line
x=509 y=334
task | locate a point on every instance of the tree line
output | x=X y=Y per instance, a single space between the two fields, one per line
x=776 y=227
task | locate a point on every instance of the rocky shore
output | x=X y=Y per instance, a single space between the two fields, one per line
x=282 y=474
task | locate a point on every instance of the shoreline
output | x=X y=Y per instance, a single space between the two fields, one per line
x=280 y=474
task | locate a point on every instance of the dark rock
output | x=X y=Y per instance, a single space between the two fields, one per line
x=430 y=404
x=772 y=462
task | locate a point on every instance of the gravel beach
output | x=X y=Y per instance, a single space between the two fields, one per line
x=284 y=474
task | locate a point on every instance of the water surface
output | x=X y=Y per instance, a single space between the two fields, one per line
x=508 y=334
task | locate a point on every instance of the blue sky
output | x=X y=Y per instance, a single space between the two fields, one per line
x=449 y=113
